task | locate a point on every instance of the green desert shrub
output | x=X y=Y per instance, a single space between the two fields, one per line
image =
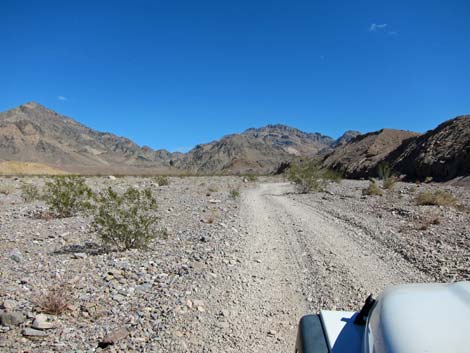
x=125 y=221
x=30 y=192
x=234 y=194
x=372 y=190
x=67 y=195
x=162 y=180
x=384 y=170
x=332 y=175
x=436 y=198
x=251 y=177
x=307 y=175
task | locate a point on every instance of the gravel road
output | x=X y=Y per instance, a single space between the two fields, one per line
x=296 y=259
x=233 y=274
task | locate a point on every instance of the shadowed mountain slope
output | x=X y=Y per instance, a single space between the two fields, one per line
x=359 y=157
x=442 y=153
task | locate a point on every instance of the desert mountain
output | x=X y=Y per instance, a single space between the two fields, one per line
x=358 y=158
x=255 y=150
x=345 y=138
x=33 y=133
x=442 y=153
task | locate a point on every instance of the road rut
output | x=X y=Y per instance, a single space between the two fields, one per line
x=294 y=259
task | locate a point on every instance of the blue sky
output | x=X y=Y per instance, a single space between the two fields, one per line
x=171 y=74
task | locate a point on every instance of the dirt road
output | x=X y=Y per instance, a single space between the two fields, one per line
x=294 y=259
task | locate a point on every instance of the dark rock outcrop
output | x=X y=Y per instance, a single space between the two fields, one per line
x=442 y=153
x=359 y=157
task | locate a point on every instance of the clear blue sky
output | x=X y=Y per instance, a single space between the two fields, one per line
x=171 y=74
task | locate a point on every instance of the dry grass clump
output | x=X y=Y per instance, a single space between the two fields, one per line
x=390 y=182
x=372 y=190
x=56 y=300
x=436 y=198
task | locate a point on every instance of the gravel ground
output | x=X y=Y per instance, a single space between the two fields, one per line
x=233 y=275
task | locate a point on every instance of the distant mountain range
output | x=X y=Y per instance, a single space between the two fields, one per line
x=34 y=133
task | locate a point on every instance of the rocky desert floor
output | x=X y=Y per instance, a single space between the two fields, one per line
x=230 y=275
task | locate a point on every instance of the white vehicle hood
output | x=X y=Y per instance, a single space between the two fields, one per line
x=420 y=318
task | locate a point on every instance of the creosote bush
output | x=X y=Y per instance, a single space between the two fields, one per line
x=30 y=192
x=309 y=176
x=162 y=180
x=437 y=198
x=234 y=194
x=372 y=189
x=125 y=221
x=67 y=195
x=306 y=175
x=250 y=177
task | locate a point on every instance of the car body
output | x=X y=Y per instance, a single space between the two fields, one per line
x=409 y=318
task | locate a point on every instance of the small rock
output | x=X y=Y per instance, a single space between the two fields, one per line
x=79 y=255
x=111 y=177
x=12 y=319
x=16 y=255
x=33 y=333
x=8 y=305
x=214 y=201
x=113 y=337
x=40 y=322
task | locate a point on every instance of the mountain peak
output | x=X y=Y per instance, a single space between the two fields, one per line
x=32 y=105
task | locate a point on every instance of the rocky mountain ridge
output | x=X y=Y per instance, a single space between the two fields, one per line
x=441 y=154
x=34 y=133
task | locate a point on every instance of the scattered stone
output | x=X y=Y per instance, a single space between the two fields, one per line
x=11 y=319
x=16 y=255
x=8 y=305
x=113 y=337
x=41 y=323
x=79 y=255
x=31 y=332
x=272 y=333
